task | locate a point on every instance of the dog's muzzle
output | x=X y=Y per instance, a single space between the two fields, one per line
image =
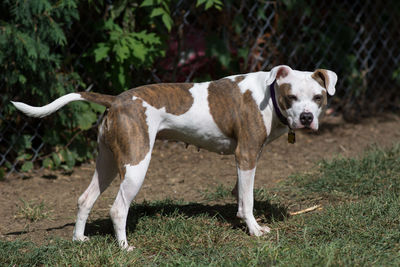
x=306 y=118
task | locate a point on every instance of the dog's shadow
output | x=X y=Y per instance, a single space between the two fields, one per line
x=223 y=212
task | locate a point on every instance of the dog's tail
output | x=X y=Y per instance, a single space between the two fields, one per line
x=39 y=112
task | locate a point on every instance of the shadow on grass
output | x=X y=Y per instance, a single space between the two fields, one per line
x=223 y=212
x=47 y=229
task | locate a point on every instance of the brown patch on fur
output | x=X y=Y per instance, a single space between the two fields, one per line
x=175 y=97
x=239 y=78
x=282 y=73
x=322 y=77
x=105 y=100
x=238 y=117
x=324 y=98
x=284 y=102
x=252 y=133
x=124 y=120
x=223 y=100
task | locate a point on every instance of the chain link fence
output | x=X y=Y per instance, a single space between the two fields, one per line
x=359 y=40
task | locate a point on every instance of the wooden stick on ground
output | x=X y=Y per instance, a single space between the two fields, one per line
x=305 y=210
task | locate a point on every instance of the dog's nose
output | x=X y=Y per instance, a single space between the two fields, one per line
x=306 y=118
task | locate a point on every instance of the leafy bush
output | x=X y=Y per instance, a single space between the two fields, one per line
x=32 y=66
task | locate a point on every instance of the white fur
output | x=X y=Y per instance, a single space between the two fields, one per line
x=246 y=202
x=105 y=172
x=41 y=112
x=196 y=126
x=130 y=186
x=332 y=82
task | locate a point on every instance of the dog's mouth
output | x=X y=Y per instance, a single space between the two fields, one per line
x=312 y=127
x=295 y=124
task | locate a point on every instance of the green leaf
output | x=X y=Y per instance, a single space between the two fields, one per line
x=27 y=166
x=121 y=76
x=121 y=51
x=148 y=3
x=68 y=157
x=47 y=163
x=22 y=79
x=65 y=167
x=26 y=141
x=139 y=50
x=200 y=2
x=97 y=108
x=101 y=52
x=209 y=4
x=110 y=25
x=165 y=5
x=25 y=156
x=157 y=12
x=167 y=21
x=149 y=38
x=56 y=159
x=86 y=119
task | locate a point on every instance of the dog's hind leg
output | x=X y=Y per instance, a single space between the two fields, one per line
x=133 y=146
x=105 y=172
x=130 y=186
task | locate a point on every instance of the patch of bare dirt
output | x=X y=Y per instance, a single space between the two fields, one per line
x=179 y=173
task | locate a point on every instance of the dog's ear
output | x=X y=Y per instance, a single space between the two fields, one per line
x=277 y=73
x=326 y=79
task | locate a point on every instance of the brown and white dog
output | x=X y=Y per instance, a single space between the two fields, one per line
x=234 y=115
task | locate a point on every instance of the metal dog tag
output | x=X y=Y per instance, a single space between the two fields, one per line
x=291 y=138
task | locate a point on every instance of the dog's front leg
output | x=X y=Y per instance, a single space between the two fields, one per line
x=246 y=202
x=245 y=186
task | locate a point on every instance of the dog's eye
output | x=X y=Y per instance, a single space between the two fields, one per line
x=292 y=97
x=318 y=98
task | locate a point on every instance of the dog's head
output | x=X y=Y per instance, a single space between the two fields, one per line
x=302 y=95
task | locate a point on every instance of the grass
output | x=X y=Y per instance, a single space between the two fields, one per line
x=32 y=212
x=217 y=193
x=358 y=225
x=376 y=172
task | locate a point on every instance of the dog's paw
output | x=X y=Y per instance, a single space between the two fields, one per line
x=129 y=248
x=259 y=230
x=80 y=238
x=124 y=246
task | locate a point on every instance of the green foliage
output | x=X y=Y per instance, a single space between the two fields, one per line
x=210 y=3
x=30 y=30
x=160 y=8
x=32 y=39
x=123 y=49
x=132 y=37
